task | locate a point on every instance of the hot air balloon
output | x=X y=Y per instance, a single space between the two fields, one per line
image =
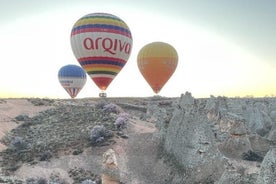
x=102 y=44
x=157 y=62
x=72 y=78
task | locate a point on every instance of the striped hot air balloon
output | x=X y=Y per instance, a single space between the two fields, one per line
x=102 y=44
x=72 y=78
x=157 y=62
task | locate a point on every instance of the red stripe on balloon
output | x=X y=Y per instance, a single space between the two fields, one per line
x=91 y=30
x=85 y=59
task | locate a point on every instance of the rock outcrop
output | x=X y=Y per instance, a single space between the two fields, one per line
x=110 y=170
x=191 y=142
x=267 y=172
x=219 y=139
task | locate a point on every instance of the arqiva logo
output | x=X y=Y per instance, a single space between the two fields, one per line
x=109 y=45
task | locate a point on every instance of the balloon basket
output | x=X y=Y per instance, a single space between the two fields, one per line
x=102 y=95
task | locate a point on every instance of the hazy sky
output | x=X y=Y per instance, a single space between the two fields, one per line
x=225 y=47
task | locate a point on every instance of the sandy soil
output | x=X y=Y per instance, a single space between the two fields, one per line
x=10 y=108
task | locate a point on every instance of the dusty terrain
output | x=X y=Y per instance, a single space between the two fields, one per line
x=10 y=108
x=156 y=140
x=136 y=145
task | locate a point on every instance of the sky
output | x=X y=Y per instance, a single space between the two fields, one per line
x=225 y=48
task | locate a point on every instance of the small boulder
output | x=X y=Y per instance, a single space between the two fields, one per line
x=110 y=170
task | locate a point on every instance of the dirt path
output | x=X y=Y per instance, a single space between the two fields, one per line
x=138 y=155
x=137 y=131
x=11 y=108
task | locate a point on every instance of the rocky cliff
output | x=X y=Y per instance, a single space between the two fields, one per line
x=221 y=140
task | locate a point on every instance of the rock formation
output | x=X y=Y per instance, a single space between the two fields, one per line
x=210 y=140
x=219 y=139
x=110 y=170
x=267 y=172
x=190 y=141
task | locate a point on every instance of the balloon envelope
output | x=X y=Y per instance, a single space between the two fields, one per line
x=72 y=78
x=102 y=44
x=157 y=62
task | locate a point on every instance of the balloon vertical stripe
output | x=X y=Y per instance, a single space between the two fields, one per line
x=73 y=92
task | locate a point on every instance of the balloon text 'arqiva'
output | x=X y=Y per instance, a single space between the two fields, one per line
x=108 y=44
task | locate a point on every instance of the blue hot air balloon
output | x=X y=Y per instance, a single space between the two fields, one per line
x=72 y=78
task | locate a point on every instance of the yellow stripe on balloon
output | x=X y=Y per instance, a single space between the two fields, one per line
x=101 y=21
x=90 y=69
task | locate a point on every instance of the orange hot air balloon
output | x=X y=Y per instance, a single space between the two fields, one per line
x=157 y=62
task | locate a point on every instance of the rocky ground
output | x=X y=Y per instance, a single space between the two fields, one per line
x=57 y=143
x=156 y=140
